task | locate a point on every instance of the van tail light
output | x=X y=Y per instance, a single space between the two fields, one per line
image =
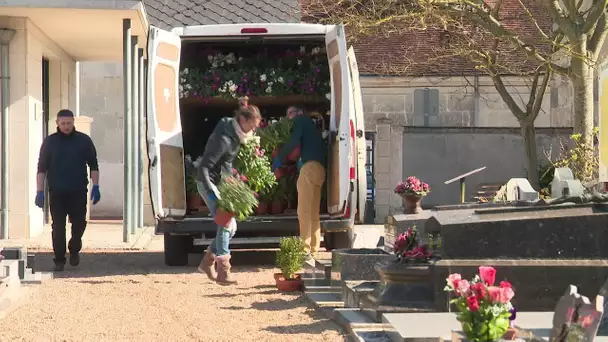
x=254 y=30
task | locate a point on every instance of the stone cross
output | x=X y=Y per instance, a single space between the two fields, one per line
x=564 y=184
x=576 y=318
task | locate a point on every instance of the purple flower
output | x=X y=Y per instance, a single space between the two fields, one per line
x=513 y=314
x=318 y=70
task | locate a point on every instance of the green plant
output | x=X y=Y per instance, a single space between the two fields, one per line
x=275 y=134
x=236 y=197
x=291 y=256
x=574 y=157
x=191 y=187
x=253 y=163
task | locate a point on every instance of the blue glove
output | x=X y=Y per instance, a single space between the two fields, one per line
x=212 y=198
x=300 y=164
x=95 y=194
x=39 y=199
x=276 y=164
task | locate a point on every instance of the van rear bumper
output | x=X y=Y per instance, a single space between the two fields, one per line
x=283 y=226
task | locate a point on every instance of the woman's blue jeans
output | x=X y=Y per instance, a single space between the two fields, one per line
x=220 y=245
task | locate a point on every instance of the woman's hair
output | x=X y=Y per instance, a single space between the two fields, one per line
x=246 y=110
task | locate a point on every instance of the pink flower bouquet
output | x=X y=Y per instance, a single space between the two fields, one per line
x=412 y=186
x=484 y=309
x=409 y=250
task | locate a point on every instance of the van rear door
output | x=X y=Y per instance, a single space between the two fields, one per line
x=359 y=138
x=164 y=128
x=338 y=177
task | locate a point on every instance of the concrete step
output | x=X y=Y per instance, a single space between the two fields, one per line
x=325 y=299
x=359 y=326
x=322 y=288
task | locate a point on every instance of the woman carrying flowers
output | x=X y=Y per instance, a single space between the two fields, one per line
x=220 y=152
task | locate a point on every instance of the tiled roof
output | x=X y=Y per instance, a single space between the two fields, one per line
x=167 y=14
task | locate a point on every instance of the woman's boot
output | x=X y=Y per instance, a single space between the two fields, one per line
x=223 y=270
x=207 y=266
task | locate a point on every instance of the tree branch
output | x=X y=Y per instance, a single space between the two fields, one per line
x=564 y=23
x=540 y=95
x=598 y=8
x=596 y=40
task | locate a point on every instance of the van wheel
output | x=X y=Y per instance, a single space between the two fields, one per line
x=176 y=249
x=337 y=240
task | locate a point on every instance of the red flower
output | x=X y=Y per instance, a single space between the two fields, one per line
x=244 y=179
x=473 y=303
x=487 y=274
x=479 y=289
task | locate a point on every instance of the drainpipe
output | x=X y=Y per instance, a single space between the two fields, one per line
x=6 y=35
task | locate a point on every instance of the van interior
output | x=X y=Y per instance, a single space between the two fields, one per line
x=199 y=116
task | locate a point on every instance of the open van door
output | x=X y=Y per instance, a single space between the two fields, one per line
x=359 y=137
x=164 y=128
x=338 y=187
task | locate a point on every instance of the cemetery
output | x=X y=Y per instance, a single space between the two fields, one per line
x=540 y=265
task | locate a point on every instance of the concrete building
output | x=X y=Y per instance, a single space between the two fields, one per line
x=50 y=39
x=435 y=126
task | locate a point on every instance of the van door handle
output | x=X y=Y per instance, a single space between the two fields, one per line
x=153 y=162
x=342 y=138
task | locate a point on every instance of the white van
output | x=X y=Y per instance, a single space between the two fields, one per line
x=346 y=176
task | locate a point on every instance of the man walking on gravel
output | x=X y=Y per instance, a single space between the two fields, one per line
x=311 y=178
x=63 y=161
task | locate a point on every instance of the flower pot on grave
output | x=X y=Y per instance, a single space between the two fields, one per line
x=405 y=285
x=358 y=263
x=288 y=285
x=411 y=204
x=223 y=218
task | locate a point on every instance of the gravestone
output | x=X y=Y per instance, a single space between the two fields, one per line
x=576 y=318
x=520 y=189
x=564 y=183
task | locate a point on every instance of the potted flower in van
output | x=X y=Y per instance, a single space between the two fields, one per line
x=194 y=201
x=252 y=163
x=290 y=259
x=235 y=199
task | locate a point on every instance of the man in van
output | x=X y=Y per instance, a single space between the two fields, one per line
x=311 y=178
x=63 y=161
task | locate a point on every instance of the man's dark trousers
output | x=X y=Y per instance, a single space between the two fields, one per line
x=74 y=205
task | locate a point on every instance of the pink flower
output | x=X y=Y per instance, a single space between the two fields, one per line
x=487 y=274
x=506 y=293
x=234 y=172
x=494 y=294
x=464 y=288
x=244 y=178
x=453 y=278
x=480 y=290
x=586 y=321
x=505 y=283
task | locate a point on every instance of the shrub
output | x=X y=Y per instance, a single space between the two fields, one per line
x=291 y=256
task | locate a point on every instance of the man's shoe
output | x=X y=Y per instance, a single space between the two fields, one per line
x=74 y=259
x=59 y=267
x=310 y=260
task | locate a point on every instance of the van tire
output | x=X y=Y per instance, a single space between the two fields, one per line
x=176 y=249
x=337 y=240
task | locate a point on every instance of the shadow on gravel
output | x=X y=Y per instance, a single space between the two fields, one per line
x=101 y=263
x=318 y=327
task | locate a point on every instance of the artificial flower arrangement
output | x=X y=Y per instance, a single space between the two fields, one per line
x=253 y=163
x=236 y=199
x=408 y=249
x=484 y=310
x=412 y=186
x=268 y=72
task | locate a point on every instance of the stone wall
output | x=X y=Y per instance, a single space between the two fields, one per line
x=448 y=126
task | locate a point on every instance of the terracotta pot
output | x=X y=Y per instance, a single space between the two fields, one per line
x=194 y=201
x=288 y=285
x=294 y=155
x=262 y=208
x=277 y=207
x=411 y=204
x=222 y=218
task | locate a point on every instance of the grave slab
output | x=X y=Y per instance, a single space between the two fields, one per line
x=568 y=231
x=357 y=263
x=399 y=223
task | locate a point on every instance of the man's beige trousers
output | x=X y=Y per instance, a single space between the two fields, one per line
x=310 y=182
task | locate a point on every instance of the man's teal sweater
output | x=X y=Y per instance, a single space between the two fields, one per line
x=307 y=135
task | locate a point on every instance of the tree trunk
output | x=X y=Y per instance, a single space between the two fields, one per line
x=529 y=135
x=582 y=82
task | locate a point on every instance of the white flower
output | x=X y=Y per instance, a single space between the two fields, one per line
x=256 y=139
x=233 y=88
x=210 y=58
x=269 y=90
x=214 y=64
x=302 y=49
x=299 y=62
x=272 y=72
x=270 y=83
x=316 y=51
x=328 y=96
x=185 y=71
x=263 y=77
x=187 y=86
x=280 y=79
x=240 y=58
x=222 y=64
x=182 y=80
x=181 y=89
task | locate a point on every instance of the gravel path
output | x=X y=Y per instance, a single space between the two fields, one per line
x=133 y=296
